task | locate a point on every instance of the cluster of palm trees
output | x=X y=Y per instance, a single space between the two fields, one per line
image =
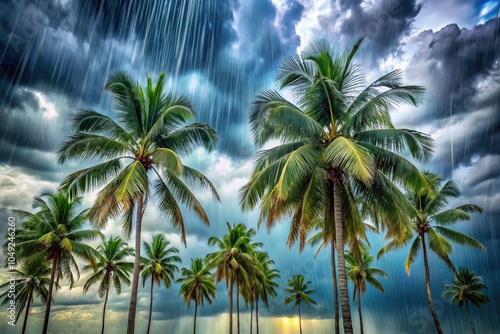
x=340 y=162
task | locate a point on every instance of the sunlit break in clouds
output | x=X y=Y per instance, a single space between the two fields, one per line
x=57 y=55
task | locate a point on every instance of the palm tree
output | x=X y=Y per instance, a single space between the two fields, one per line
x=55 y=233
x=337 y=143
x=111 y=269
x=233 y=262
x=197 y=285
x=430 y=221
x=265 y=284
x=32 y=278
x=466 y=287
x=360 y=273
x=159 y=265
x=298 y=289
x=138 y=150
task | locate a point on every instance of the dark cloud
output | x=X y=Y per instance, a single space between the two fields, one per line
x=384 y=23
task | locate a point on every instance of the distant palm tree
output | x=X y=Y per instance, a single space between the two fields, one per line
x=197 y=285
x=466 y=287
x=111 y=269
x=298 y=289
x=32 y=278
x=360 y=272
x=55 y=233
x=262 y=286
x=430 y=221
x=234 y=261
x=139 y=155
x=159 y=265
x=336 y=138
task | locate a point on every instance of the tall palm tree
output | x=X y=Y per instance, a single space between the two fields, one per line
x=110 y=269
x=337 y=143
x=433 y=222
x=298 y=289
x=32 y=278
x=55 y=232
x=159 y=265
x=197 y=285
x=466 y=287
x=233 y=262
x=141 y=148
x=360 y=272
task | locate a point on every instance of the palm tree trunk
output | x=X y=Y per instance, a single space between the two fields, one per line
x=137 y=263
x=195 y=312
x=251 y=317
x=25 y=322
x=150 y=305
x=339 y=241
x=105 y=302
x=300 y=321
x=470 y=318
x=49 y=296
x=335 y=291
x=360 y=315
x=428 y=286
x=238 y=305
x=231 y=307
x=257 y=313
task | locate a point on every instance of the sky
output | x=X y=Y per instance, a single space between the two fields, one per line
x=55 y=56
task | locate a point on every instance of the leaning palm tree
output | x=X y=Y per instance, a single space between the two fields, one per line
x=233 y=262
x=298 y=289
x=197 y=285
x=55 y=232
x=337 y=144
x=466 y=287
x=32 y=279
x=140 y=149
x=159 y=265
x=360 y=272
x=433 y=222
x=110 y=269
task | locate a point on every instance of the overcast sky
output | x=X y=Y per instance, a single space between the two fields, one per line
x=55 y=56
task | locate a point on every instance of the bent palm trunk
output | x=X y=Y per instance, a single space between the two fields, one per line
x=231 y=307
x=339 y=238
x=104 y=308
x=300 y=321
x=428 y=286
x=137 y=263
x=49 y=296
x=150 y=305
x=25 y=322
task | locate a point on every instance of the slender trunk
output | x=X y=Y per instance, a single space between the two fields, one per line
x=150 y=305
x=339 y=241
x=428 y=286
x=300 y=321
x=335 y=291
x=49 y=296
x=25 y=322
x=470 y=318
x=257 y=313
x=359 y=311
x=251 y=317
x=137 y=263
x=195 y=312
x=237 y=304
x=105 y=302
x=231 y=307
